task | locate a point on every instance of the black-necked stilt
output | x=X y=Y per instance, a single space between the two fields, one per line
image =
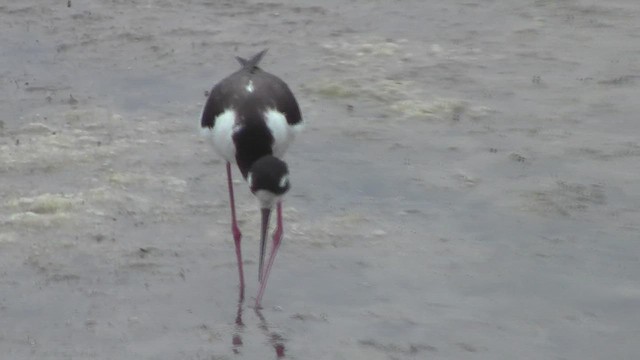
x=253 y=116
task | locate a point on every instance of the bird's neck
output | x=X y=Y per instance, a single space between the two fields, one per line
x=250 y=147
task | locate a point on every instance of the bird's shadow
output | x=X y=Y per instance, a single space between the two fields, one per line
x=274 y=338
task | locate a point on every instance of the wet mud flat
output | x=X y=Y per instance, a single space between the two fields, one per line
x=466 y=185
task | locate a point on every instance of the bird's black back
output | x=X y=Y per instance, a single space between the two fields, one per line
x=270 y=92
x=253 y=139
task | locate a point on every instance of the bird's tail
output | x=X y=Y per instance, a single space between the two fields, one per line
x=252 y=63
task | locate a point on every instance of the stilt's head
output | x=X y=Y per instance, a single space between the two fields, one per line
x=268 y=179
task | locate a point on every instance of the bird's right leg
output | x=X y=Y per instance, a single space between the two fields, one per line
x=237 y=236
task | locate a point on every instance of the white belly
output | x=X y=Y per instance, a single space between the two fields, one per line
x=225 y=126
x=222 y=135
x=281 y=131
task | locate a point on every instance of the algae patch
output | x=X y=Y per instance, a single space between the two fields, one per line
x=335 y=90
x=42 y=210
x=62 y=142
x=44 y=204
x=387 y=71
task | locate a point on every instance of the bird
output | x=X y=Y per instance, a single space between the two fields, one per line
x=252 y=117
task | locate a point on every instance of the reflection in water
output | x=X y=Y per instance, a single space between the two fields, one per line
x=237 y=332
x=275 y=339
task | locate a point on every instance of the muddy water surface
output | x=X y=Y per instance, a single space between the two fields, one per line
x=466 y=185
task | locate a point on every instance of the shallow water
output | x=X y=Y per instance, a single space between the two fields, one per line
x=466 y=185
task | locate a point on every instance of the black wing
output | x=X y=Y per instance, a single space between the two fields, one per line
x=276 y=94
x=219 y=99
x=269 y=92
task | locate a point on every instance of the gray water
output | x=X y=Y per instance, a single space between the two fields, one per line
x=466 y=185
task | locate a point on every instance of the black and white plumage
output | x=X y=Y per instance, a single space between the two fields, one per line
x=251 y=113
x=252 y=117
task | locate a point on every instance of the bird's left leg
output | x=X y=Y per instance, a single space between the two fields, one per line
x=237 y=236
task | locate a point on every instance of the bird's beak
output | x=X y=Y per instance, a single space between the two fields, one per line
x=266 y=212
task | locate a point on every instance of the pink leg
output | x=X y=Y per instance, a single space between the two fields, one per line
x=277 y=237
x=237 y=236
